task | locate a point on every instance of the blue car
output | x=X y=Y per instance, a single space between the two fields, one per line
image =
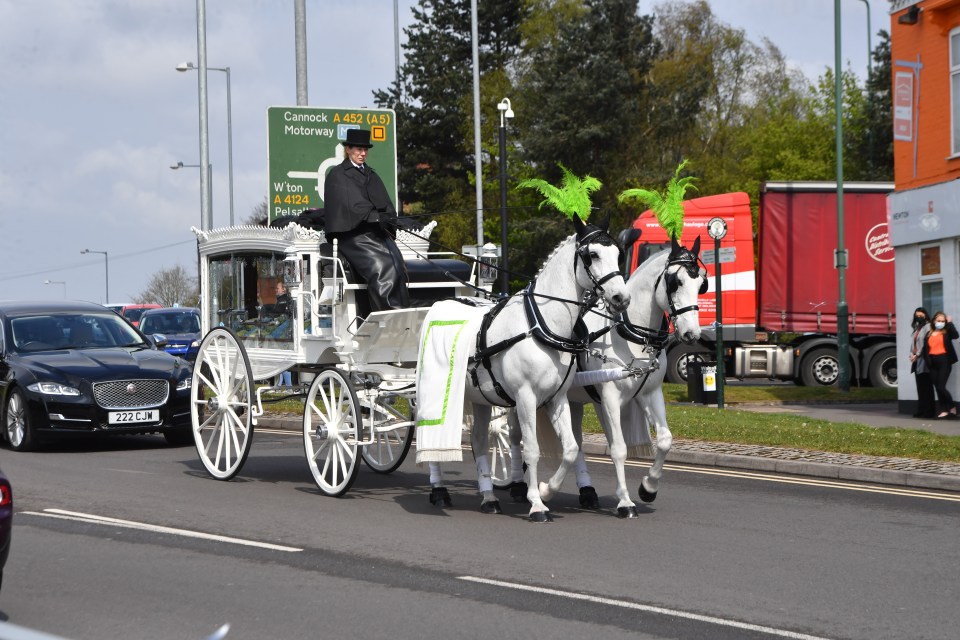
x=179 y=327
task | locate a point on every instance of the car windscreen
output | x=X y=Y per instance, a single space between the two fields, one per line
x=165 y=323
x=43 y=332
x=133 y=315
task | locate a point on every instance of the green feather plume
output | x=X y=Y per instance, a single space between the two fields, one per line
x=668 y=205
x=571 y=198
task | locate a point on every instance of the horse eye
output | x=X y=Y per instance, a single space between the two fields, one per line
x=594 y=255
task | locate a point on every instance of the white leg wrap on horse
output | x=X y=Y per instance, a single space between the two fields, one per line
x=436 y=475
x=516 y=463
x=580 y=468
x=483 y=474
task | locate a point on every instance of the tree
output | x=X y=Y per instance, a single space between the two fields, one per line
x=259 y=214
x=434 y=105
x=873 y=150
x=171 y=287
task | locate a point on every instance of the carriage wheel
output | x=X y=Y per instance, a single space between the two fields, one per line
x=331 y=431
x=221 y=399
x=501 y=457
x=389 y=448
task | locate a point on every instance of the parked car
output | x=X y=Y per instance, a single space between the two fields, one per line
x=6 y=520
x=179 y=327
x=76 y=367
x=130 y=311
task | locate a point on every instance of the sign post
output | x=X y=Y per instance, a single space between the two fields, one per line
x=304 y=143
x=717 y=228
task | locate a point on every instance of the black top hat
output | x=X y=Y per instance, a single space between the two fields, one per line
x=358 y=138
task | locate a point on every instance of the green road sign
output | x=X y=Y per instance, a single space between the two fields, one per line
x=303 y=143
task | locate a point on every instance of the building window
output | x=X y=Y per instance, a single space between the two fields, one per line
x=955 y=92
x=932 y=296
x=930 y=261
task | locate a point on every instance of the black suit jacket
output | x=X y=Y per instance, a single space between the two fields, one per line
x=950 y=334
x=351 y=198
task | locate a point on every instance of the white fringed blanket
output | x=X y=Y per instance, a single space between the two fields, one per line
x=447 y=340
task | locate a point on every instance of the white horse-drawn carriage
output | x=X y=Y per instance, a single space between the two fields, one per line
x=357 y=374
x=358 y=370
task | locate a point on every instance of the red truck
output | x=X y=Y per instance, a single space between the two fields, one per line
x=779 y=319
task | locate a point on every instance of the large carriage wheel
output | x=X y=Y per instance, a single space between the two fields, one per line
x=331 y=431
x=221 y=401
x=388 y=448
x=501 y=456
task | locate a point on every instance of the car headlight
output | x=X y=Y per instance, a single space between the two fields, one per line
x=53 y=389
x=185 y=384
x=195 y=344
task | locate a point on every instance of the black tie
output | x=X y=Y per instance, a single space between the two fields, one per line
x=361 y=168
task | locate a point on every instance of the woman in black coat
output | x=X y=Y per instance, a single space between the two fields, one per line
x=940 y=355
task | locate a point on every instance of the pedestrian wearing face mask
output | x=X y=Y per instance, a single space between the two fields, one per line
x=926 y=404
x=940 y=356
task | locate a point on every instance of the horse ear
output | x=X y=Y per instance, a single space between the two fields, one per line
x=674 y=246
x=578 y=225
x=695 y=249
x=605 y=223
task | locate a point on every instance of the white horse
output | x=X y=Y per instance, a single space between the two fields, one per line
x=525 y=357
x=667 y=283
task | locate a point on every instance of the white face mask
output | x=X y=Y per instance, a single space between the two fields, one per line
x=939 y=325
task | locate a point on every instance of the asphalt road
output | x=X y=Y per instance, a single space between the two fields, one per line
x=720 y=554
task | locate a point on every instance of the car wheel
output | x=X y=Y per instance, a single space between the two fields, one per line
x=17 y=428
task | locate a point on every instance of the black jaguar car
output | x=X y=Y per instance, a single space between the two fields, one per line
x=78 y=367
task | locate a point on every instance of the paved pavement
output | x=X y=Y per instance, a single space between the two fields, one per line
x=906 y=472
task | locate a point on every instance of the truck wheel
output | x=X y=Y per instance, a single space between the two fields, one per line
x=677 y=359
x=821 y=367
x=883 y=369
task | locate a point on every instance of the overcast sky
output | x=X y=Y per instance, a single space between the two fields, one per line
x=93 y=114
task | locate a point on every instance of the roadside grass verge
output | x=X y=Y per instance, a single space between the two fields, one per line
x=700 y=422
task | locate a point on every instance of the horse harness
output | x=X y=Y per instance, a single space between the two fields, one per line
x=646 y=336
x=538 y=329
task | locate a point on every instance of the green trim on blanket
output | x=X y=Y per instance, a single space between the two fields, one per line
x=453 y=350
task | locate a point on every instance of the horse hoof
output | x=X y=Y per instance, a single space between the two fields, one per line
x=440 y=497
x=627 y=512
x=589 y=498
x=541 y=516
x=647 y=496
x=492 y=506
x=518 y=491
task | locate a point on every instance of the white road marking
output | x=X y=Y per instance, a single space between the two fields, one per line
x=802 y=480
x=642 y=607
x=129 y=524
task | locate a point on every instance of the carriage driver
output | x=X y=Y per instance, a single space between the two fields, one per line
x=359 y=215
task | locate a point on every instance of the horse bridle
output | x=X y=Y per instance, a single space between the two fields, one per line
x=689 y=262
x=583 y=254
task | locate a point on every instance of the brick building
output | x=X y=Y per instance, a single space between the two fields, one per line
x=925 y=206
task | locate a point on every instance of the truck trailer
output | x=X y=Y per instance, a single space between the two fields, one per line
x=780 y=293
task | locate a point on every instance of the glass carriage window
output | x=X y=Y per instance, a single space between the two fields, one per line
x=244 y=294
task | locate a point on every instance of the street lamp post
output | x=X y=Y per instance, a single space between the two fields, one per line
x=106 y=268
x=188 y=66
x=505 y=114
x=840 y=256
x=180 y=165
x=63 y=282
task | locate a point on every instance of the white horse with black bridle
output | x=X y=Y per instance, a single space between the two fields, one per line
x=524 y=357
x=665 y=286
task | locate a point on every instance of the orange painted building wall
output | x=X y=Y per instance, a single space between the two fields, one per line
x=928 y=38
